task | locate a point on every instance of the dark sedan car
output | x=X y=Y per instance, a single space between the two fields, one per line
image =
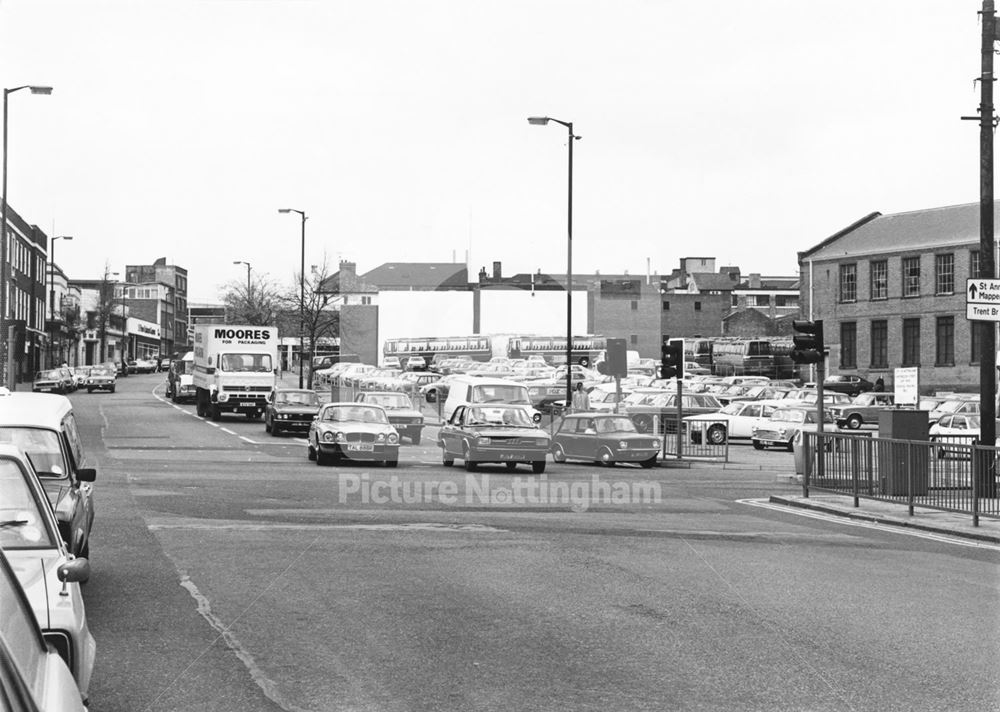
x=290 y=410
x=493 y=433
x=50 y=381
x=603 y=438
x=406 y=419
x=851 y=385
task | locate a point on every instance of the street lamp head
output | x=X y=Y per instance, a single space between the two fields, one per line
x=40 y=90
x=284 y=210
x=538 y=120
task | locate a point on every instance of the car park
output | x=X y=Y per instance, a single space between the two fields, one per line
x=850 y=384
x=49 y=381
x=493 y=433
x=416 y=363
x=43 y=426
x=957 y=405
x=784 y=425
x=290 y=410
x=101 y=378
x=353 y=431
x=604 y=438
x=647 y=408
x=407 y=420
x=33 y=676
x=48 y=573
x=391 y=362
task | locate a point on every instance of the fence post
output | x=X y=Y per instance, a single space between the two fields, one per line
x=806 y=462
x=855 y=466
x=909 y=477
x=980 y=460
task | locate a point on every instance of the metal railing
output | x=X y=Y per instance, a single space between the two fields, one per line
x=954 y=474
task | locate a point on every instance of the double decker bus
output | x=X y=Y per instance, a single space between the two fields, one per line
x=478 y=347
x=586 y=349
x=743 y=357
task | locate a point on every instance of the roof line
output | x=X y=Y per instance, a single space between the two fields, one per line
x=837 y=235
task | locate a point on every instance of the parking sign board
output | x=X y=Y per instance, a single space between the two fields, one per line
x=982 y=299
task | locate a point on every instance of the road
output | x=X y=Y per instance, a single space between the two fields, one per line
x=231 y=573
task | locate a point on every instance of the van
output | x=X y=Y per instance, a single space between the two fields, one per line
x=43 y=426
x=476 y=389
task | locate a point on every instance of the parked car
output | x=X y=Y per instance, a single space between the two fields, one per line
x=957 y=430
x=101 y=378
x=163 y=363
x=391 y=362
x=48 y=573
x=850 y=384
x=353 y=431
x=493 y=433
x=43 y=427
x=863 y=410
x=437 y=391
x=416 y=363
x=604 y=438
x=645 y=410
x=958 y=405
x=547 y=394
x=406 y=419
x=290 y=409
x=49 y=381
x=603 y=400
x=33 y=676
x=80 y=374
x=784 y=425
x=736 y=420
x=145 y=365
x=180 y=379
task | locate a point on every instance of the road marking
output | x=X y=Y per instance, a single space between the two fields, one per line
x=248 y=440
x=890 y=528
x=272 y=526
x=226 y=430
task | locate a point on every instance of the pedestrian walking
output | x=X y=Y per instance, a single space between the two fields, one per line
x=581 y=401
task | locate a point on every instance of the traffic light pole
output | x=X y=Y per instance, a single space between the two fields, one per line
x=680 y=422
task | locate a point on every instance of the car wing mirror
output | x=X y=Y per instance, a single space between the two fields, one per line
x=73 y=571
x=86 y=474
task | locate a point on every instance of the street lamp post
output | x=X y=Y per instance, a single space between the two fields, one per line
x=302 y=289
x=3 y=234
x=52 y=281
x=542 y=121
x=240 y=262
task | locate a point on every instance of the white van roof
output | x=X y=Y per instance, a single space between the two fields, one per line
x=36 y=409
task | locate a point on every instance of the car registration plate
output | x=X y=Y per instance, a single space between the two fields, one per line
x=247 y=404
x=512 y=456
x=360 y=447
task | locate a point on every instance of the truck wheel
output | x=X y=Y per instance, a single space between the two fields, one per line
x=215 y=412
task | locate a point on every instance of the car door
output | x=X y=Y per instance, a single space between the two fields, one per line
x=589 y=443
x=741 y=424
x=79 y=495
x=451 y=437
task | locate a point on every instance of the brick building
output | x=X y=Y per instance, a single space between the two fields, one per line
x=168 y=307
x=890 y=290
x=27 y=255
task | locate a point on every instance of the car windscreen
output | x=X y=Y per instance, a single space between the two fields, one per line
x=615 y=425
x=355 y=413
x=246 y=362
x=484 y=415
x=500 y=393
x=297 y=398
x=39 y=444
x=390 y=400
x=22 y=525
x=49 y=375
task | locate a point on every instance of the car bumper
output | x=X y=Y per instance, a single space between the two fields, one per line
x=302 y=425
x=377 y=453
x=487 y=454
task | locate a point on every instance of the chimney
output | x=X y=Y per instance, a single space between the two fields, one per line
x=482 y=275
x=754 y=280
x=496 y=271
x=348 y=268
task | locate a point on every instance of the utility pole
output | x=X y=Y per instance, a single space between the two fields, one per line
x=987 y=269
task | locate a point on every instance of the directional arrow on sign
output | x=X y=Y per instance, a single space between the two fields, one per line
x=972 y=291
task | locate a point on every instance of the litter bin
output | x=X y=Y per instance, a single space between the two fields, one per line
x=900 y=461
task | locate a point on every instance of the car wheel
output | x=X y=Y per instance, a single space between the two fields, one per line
x=717 y=434
x=445 y=460
x=267 y=426
x=321 y=458
x=538 y=466
x=275 y=430
x=470 y=466
x=854 y=422
x=112 y=389
x=311 y=453
x=511 y=466
x=392 y=463
x=90 y=390
x=646 y=464
x=605 y=457
x=644 y=424
x=758 y=445
x=430 y=397
x=558 y=454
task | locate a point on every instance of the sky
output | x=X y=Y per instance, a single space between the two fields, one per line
x=736 y=129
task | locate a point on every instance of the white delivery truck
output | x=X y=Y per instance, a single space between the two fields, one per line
x=235 y=368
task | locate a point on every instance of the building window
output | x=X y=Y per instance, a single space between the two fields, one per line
x=944 y=274
x=911 y=342
x=880 y=344
x=697 y=306
x=635 y=305
x=848 y=344
x=945 y=349
x=911 y=276
x=973 y=264
x=666 y=306
x=848 y=283
x=977 y=334
x=633 y=339
x=880 y=279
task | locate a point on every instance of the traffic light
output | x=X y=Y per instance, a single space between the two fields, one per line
x=672 y=358
x=615 y=361
x=807 y=344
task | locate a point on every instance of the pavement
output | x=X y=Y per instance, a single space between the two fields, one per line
x=868 y=510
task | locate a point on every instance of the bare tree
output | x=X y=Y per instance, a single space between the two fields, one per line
x=258 y=306
x=319 y=320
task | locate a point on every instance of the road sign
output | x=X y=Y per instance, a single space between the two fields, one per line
x=982 y=291
x=906 y=386
x=982 y=312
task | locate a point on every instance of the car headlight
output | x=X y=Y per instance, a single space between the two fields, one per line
x=393 y=438
x=340 y=437
x=223 y=397
x=329 y=437
x=656 y=443
x=623 y=445
x=542 y=442
x=380 y=437
x=482 y=441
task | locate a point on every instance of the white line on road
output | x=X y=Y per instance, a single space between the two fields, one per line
x=839 y=519
x=227 y=430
